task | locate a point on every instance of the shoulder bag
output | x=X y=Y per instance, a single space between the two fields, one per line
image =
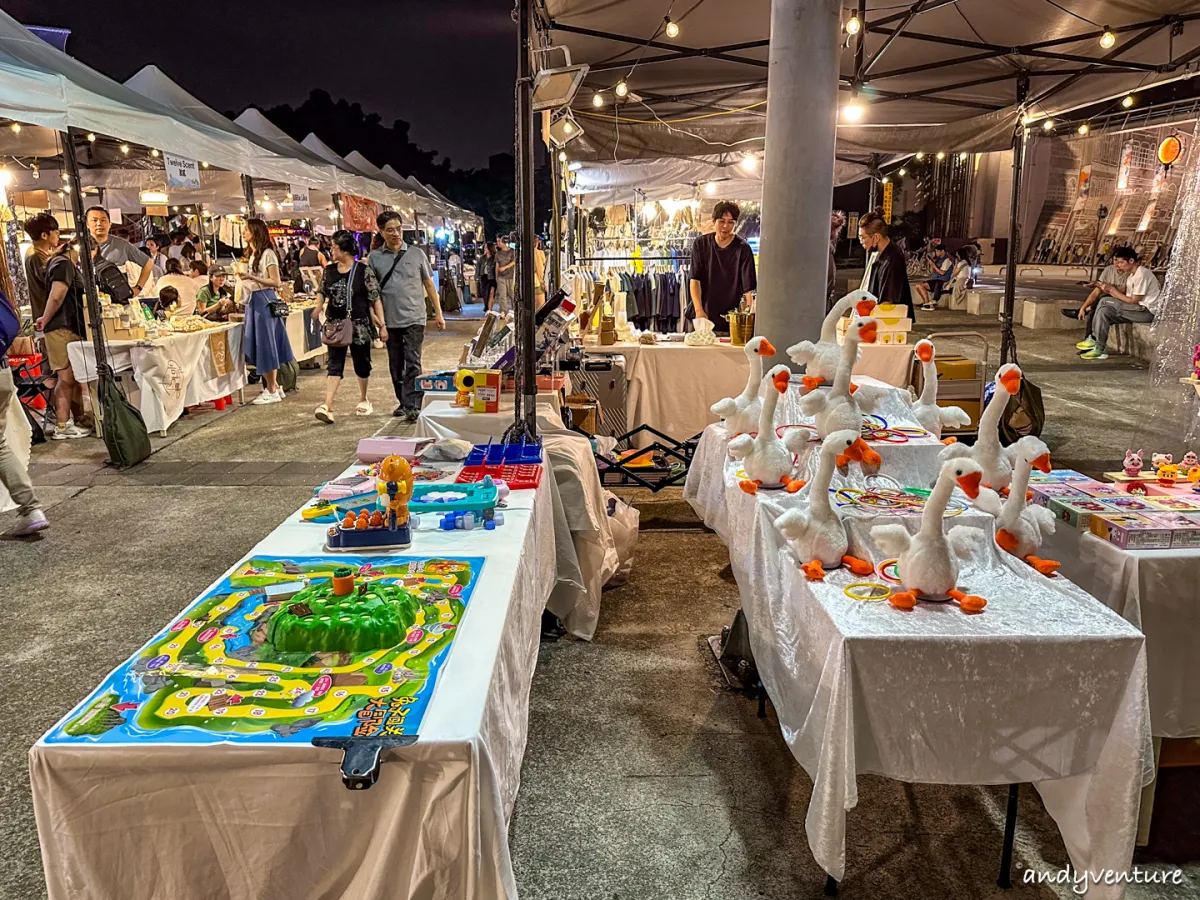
x=395 y=262
x=340 y=332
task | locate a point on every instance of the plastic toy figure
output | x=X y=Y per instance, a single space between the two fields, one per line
x=1189 y=461
x=464 y=384
x=1158 y=460
x=395 y=487
x=1134 y=462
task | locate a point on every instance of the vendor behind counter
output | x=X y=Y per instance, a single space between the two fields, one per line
x=722 y=270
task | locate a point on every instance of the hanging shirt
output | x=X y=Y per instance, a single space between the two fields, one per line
x=726 y=274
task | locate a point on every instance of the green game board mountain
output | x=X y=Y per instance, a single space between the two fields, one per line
x=315 y=620
x=98 y=718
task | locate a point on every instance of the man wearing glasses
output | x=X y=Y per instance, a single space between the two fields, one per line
x=405 y=280
x=722 y=269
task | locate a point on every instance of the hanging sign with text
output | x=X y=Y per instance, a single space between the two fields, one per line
x=300 y=199
x=181 y=173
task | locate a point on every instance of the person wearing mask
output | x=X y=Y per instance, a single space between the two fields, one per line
x=311 y=256
x=184 y=285
x=941 y=266
x=1136 y=303
x=722 y=269
x=506 y=273
x=405 y=281
x=214 y=301
x=265 y=342
x=62 y=324
x=43 y=232
x=349 y=289
x=116 y=250
x=887 y=270
x=14 y=475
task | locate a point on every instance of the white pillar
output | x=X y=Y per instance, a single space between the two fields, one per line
x=802 y=91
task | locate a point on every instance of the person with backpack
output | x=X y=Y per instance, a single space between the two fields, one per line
x=62 y=324
x=14 y=476
x=118 y=251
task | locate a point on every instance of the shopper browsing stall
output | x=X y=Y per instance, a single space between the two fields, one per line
x=43 y=232
x=405 y=280
x=62 y=324
x=115 y=250
x=156 y=246
x=184 y=285
x=722 y=269
x=265 y=341
x=887 y=269
x=505 y=267
x=214 y=301
x=352 y=304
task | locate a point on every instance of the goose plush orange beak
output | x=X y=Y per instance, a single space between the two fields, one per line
x=781 y=381
x=869 y=331
x=1011 y=380
x=924 y=351
x=1042 y=463
x=970 y=483
x=864 y=307
x=766 y=348
x=856 y=450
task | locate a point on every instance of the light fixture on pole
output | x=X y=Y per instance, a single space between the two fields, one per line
x=1108 y=39
x=671 y=28
x=1128 y=101
x=564 y=129
x=556 y=87
x=853 y=26
x=853 y=111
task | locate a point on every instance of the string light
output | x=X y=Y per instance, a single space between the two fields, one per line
x=16 y=127
x=885 y=180
x=1048 y=125
x=1108 y=39
x=853 y=25
x=920 y=156
x=902 y=172
x=125 y=149
x=710 y=188
x=154 y=153
x=568 y=128
x=963 y=155
x=1128 y=101
x=941 y=154
x=622 y=89
x=243 y=210
x=562 y=156
x=597 y=99
x=672 y=29
x=1084 y=129
x=91 y=138
x=852 y=111
x=749 y=162
x=204 y=165
x=65 y=176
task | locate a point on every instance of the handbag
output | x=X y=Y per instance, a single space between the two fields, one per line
x=279 y=309
x=340 y=332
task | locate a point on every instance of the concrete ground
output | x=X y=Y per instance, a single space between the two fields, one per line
x=644 y=777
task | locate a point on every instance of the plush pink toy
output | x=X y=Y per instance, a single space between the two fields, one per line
x=1189 y=461
x=1158 y=460
x=1134 y=462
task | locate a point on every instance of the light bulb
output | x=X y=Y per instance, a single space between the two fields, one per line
x=16 y=127
x=885 y=180
x=672 y=29
x=37 y=173
x=941 y=154
x=562 y=156
x=1108 y=39
x=174 y=209
x=91 y=138
x=568 y=128
x=125 y=149
x=597 y=99
x=1048 y=125
x=902 y=172
x=65 y=176
x=622 y=89
x=920 y=156
x=852 y=111
x=710 y=188
x=243 y=210
x=1128 y=101
x=154 y=153
x=204 y=165
x=333 y=214
x=1026 y=120
x=1084 y=129
x=853 y=25
x=5 y=178
x=963 y=155
x=749 y=162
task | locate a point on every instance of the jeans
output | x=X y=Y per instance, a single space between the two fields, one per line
x=1110 y=312
x=404 y=363
x=13 y=475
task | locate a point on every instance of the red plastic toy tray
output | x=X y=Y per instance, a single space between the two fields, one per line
x=518 y=478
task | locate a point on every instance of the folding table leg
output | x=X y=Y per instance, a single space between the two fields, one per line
x=1010 y=830
x=762 y=700
x=830 y=886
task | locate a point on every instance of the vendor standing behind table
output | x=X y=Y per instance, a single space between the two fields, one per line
x=115 y=250
x=214 y=301
x=722 y=269
x=888 y=271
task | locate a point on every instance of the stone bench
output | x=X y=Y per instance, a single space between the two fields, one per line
x=1044 y=313
x=984 y=303
x=1132 y=339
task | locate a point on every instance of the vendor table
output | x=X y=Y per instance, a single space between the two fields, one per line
x=164 y=375
x=671 y=385
x=304 y=335
x=939 y=697
x=442 y=419
x=273 y=821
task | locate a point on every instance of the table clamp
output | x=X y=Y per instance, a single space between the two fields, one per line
x=360 y=756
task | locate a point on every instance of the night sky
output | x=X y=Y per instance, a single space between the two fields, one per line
x=445 y=66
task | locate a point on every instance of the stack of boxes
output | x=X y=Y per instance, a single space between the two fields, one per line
x=1129 y=521
x=608 y=331
x=894 y=324
x=959 y=384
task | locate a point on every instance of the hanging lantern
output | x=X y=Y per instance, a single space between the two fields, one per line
x=1170 y=150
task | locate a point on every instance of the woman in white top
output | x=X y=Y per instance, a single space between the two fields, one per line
x=265 y=342
x=186 y=287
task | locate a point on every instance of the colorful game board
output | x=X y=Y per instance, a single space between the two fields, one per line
x=213 y=675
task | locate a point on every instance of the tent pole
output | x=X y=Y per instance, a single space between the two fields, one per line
x=248 y=193
x=200 y=231
x=1014 y=228
x=85 y=256
x=802 y=88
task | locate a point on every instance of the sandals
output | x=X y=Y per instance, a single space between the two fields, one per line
x=364 y=409
x=323 y=414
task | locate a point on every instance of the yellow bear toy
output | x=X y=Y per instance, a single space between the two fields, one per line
x=395 y=487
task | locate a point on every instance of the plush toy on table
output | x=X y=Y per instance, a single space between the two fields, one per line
x=995 y=461
x=1167 y=474
x=820 y=360
x=817 y=534
x=1134 y=462
x=841 y=408
x=1020 y=526
x=1189 y=461
x=395 y=488
x=928 y=561
x=767 y=458
x=929 y=415
x=741 y=412
x=1158 y=460
x=464 y=385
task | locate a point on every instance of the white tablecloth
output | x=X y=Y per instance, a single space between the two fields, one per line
x=1046 y=686
x=296 y=325
x=1154 y=590
x=442 y=419
x=156 y=821
x=169 y=373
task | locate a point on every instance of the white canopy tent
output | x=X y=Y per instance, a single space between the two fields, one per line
x=383 y=194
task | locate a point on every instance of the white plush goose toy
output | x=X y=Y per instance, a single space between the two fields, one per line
x=821 y=359
x=817 y=533
x=994 y=460
x=928 y=560
x=1021 y=528
x=841 y=407
x=768 y=459
x=741 y=412
x=929 y=415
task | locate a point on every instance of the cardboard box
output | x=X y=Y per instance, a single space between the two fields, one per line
x=972 y=408
x=1185 y=528
x=1058 y=475
x=487 y=391
x=1129 y=504
x=1077 y=513
x=956 y=368
x=437 y=381
x=1172 y=503
x=585 y=412
x=1131 y=531
x=1044 y=493
x=1097 y=489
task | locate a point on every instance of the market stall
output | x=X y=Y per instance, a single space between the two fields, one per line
x=192 y=722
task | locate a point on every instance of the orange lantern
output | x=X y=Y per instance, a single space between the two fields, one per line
x=1170 y=150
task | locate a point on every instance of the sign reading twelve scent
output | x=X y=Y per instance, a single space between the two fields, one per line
x=181 y=173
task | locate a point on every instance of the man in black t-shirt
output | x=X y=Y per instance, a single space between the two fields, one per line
x=62 y=323
x=722 y=269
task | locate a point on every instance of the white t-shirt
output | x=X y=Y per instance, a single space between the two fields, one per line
x=1142 y=283
x=187 y=291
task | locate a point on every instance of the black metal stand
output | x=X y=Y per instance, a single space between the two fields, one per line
x=1007 y=339
x=360 y=756
x=1010 y=831
x=620 y=473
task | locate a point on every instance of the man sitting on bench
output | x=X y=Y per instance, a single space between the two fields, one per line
x=941 y=267
x=1136 y=303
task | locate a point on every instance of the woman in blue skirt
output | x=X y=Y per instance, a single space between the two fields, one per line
x=265 y=342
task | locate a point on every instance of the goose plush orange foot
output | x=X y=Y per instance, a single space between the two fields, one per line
x=950 y=440
x=859 y=567
x=1046 y=566
x=792 y=485
x=968 y=602
x=903 y=600
x=750 y=487
x=813 y=571
x=1006 y=540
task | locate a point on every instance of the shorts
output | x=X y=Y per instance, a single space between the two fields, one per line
x=56 y=347
x=359 y=353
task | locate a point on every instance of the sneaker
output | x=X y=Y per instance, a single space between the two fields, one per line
x=1070 y=313
x=399 y=412
x=1094 y=353
x=280 y=393
x=929 y=307
x=323 y=414
x=364 y=409
x=1086 y=344
x=69 y=432
x=264 y=398
x=30 y=524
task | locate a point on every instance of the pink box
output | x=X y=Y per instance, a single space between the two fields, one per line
x=1099 y=489
x=1185 y=528
x=376 y=449
x=1129 y=504
x=1044 y=493
x=1130 y=531
x=341 y=488
x=1175 y=502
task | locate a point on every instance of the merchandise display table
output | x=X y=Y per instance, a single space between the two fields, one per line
x=304 y=335
x=267 y=817
x=553 y=397
x=164 y=375
x=442 y=419
x=935 y=695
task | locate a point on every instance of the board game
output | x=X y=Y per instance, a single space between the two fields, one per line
x=286 y=650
